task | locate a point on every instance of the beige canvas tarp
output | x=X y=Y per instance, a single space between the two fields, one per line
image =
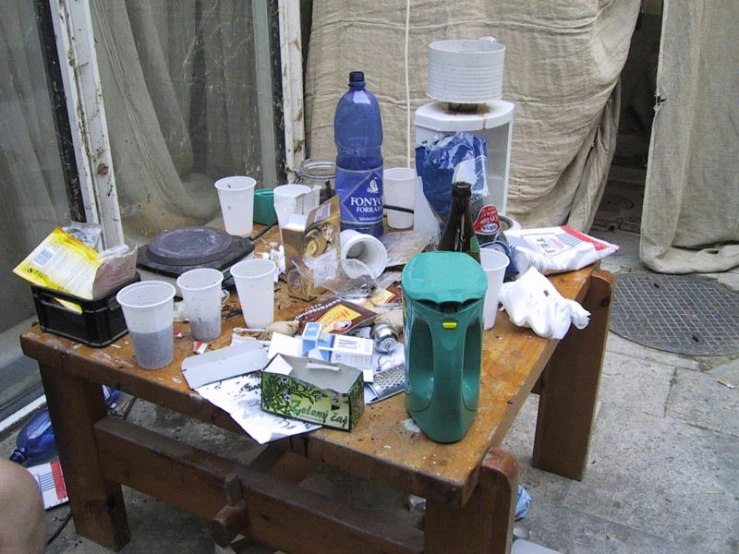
x=691 y=204
x=563 y=61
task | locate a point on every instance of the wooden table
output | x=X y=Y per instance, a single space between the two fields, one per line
x=470 y=486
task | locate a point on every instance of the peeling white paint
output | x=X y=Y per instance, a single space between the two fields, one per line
x=81 y=76
x=291 y=54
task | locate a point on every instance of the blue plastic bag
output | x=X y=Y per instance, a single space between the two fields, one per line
x=436 y=162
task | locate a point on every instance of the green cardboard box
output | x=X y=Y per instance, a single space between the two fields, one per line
x=313 y=390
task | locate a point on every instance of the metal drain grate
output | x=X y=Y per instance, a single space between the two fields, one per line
x=679 y=314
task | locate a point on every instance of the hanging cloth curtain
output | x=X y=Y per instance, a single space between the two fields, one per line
x=179 y=86
x=690 y=221
x=34 y=199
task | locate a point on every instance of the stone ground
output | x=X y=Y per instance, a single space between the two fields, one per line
x=663 y=476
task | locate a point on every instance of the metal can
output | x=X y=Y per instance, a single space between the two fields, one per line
x=489 y=228
x=385 y=338
x=486 y=224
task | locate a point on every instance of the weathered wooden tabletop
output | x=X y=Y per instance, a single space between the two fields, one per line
x=385 y=445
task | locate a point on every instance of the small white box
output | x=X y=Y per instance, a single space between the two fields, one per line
x=352 y=351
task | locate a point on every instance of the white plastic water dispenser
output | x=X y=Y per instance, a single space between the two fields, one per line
x=492 y=121
x=466 y=81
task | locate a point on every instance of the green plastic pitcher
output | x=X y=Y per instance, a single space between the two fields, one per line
x=443 y=295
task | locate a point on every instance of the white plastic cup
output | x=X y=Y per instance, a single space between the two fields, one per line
x=365 y=248
x=255 y=285
x=236 y=195
x=494 y=263
x=148 y=308
x=286 y=201
x=399 y=185
x=201 y=292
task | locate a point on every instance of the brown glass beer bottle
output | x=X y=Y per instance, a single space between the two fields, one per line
x=459 y=234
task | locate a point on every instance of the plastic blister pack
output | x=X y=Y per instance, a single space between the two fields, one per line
x=402 y=245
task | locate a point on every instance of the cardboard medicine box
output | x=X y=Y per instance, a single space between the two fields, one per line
x=344 y=349
x=312 y=390
x=313 y=236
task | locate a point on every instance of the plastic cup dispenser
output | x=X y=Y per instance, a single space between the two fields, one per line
x=443 y=297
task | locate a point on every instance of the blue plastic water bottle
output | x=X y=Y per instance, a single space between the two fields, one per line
x=35 y=441
x=358 y=137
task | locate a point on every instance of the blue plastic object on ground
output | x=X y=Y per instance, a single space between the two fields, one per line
x=358 y=138
x=523 y=501
x=35 y=441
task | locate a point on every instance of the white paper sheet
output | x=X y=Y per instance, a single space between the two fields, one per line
x=50 y=481
x=224 y=363
x=241 y=397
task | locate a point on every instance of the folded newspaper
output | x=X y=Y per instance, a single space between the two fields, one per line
x=556 y=249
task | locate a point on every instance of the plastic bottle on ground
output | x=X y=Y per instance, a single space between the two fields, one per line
x=35 y=441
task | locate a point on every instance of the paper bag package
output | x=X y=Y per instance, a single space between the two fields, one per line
x=311 y=390
x=313 y=236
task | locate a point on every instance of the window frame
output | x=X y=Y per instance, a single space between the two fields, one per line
x=75 y=41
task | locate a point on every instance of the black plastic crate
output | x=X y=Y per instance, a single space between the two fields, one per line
x=101 y=322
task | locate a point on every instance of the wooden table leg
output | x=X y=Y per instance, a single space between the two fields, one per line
x=569 y=388
x=484 y=525
x=97 y=503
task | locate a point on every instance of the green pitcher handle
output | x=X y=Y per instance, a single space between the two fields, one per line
x=448 y=363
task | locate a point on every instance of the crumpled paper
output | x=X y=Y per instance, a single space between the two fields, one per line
x=532 y=301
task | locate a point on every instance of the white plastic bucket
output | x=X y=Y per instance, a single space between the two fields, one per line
x=466 y=71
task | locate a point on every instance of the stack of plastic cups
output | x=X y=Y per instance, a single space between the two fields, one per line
x=400 y=192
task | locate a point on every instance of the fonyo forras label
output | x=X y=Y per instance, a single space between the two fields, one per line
x=487 y=224
x=361 y=194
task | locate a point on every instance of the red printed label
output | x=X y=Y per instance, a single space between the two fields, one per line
x=61 y=487
x=487 y=222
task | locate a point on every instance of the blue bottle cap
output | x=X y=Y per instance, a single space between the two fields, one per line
x=356 y=78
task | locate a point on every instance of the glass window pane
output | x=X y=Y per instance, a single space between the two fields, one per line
x=180 y=93
x=34 y=195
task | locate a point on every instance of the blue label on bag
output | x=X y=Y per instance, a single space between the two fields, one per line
x=360 y=194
